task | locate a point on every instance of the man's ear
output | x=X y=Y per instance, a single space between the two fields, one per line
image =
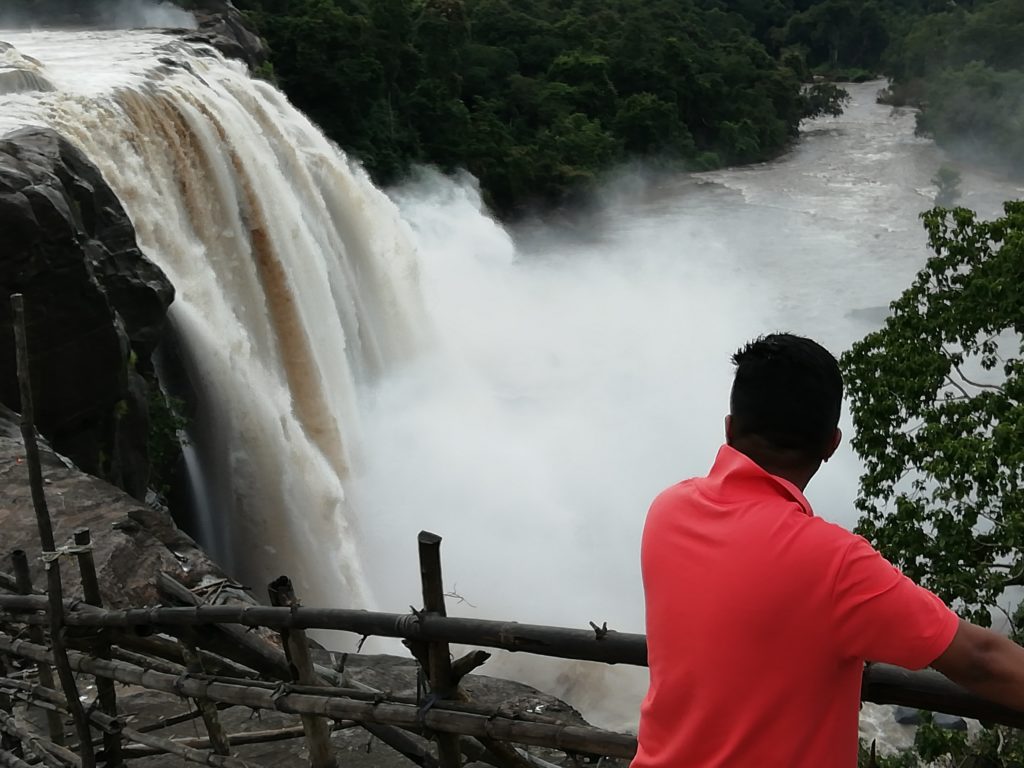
x=728 y=429
x=837 y=438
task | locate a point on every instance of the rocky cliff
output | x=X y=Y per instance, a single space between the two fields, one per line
x=96 y=306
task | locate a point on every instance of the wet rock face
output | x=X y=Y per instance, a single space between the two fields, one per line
x=96 y=306
x=224 y=27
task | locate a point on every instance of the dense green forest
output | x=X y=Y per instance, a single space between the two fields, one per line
x=534 y=97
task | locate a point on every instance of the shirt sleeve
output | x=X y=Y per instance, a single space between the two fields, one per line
x=881 y=615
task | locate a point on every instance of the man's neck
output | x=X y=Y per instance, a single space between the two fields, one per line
x=789 y=465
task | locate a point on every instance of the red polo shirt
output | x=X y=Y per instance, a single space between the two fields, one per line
x=760 y=617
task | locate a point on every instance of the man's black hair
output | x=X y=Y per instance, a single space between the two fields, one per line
x=788 y=390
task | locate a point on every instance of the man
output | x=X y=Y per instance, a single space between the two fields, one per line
x=760 y=615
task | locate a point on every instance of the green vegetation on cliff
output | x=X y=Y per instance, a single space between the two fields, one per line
x=535 y=97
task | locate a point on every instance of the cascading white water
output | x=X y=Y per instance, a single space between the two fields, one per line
x=295 y=282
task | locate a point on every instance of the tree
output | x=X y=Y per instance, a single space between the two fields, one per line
x=937 y=396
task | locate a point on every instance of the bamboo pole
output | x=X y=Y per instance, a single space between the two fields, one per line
x=235 y=643
x=164 y=648
x=207 y=709
x=610 y=647
x=439 y=661
x=444 y=676
x=296 y=650
x=55 y=590
x=164 y=746
x=242 y=739
x=23 y=583
x=11 y=760
x=9 y=582
x=362 y=694
x=184 y=717
x=883 y=683
x=53 y=755
x=104 y=688
x=565 y=737
x=225 y=639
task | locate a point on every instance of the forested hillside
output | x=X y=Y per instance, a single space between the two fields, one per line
x=534 y=97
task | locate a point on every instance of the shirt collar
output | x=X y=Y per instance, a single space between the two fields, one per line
x=735 y=474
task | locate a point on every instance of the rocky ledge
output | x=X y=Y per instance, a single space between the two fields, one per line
x=132 y=542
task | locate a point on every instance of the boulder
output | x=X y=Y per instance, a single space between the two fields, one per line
x=949 y=722
x=96 y=306
x=907 y=715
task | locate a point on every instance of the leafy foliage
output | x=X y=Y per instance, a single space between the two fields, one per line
x=536 y=98
x=997 y=747
x=166 y=436
x=937 y=397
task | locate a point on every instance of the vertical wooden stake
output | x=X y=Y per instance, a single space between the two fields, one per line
x=439 y=660
x=104 y=687
x=207 y=709
x=8 y=742
x=54 y=590
x=23 y=577
x=296 y=650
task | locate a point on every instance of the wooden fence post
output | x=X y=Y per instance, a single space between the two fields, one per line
x=54 y=588
x=296 y=650
x=104 y=688
x=443 y=674
x=23 y=578
x=207 y=709
x=439 y=660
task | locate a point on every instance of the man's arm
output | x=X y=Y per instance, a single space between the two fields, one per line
x=985 y=663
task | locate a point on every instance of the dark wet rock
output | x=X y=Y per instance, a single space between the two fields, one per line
x=96 y=306
x=949 y=722
x=225 y=28
x=912 y=716
x=907 y=715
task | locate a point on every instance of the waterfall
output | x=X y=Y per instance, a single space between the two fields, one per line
x=296 y=283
